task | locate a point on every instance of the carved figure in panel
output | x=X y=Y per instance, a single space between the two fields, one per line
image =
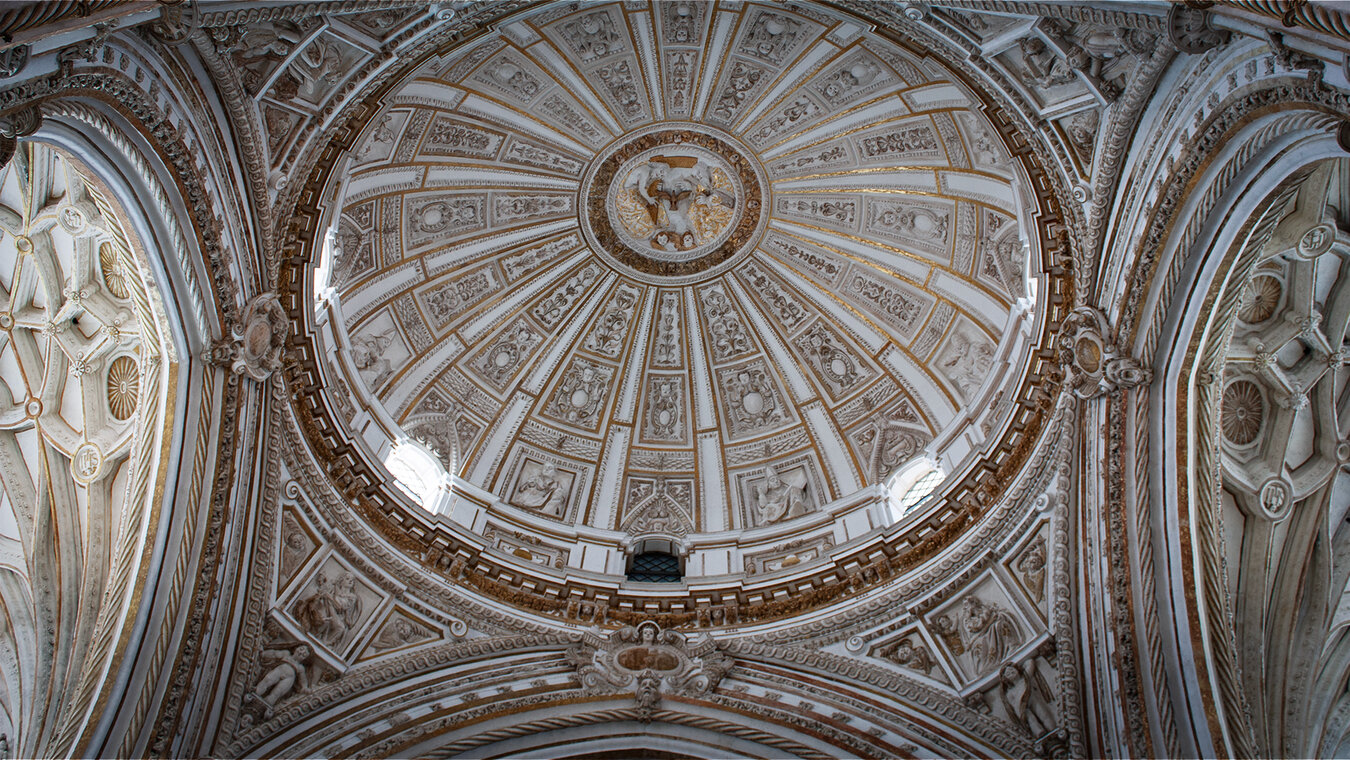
x=296 y=546
x=287 y=675
x=681 y=22
x=511 y=77
x=680 y=200
x=368 y=353
x=859 y=75
x=543 y=488
x=661 y=507
x=989 y=632
x=1031 y=566
x=779 y=498
x=399 y=632
x=912 y=655
x=1026 y=697
x=331 y=610
x=966 y=361
x=580 y=397
x=619 y=80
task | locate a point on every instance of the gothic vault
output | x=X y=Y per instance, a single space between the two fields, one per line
x=674 y=379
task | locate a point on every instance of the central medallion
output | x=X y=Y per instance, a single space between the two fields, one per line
x=674 y=201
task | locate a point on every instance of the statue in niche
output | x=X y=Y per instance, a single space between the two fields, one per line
x=779 y=499
x=542 y=491
x=288 y=676
x=332 y=610
x=1027 y=698
x=989 y=630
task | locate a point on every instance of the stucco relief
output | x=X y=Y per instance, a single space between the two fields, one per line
x=648 y=662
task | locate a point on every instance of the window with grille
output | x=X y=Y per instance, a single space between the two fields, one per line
x=655 y=567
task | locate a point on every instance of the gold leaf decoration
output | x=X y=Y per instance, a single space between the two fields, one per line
x=124 y=387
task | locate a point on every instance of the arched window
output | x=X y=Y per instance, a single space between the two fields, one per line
x=416 y=472
x=913 y=483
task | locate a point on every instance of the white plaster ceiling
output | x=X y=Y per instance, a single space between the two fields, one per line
x=869 y=318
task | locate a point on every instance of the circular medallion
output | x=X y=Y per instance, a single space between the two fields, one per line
x=676 y=202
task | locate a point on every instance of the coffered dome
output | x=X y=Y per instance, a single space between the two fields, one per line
x=679 y=270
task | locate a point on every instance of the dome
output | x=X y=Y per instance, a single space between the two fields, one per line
x=705 y=276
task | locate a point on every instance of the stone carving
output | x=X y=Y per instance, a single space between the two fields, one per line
x=580 y=397
x=529 y=154
x=606 y=337
x=890 y=439
x=665 y=409
x=750 y=397
x=771 y=37
x=659 y=507
x=123 y=387
x=400 y=631
x=727 y=336
x=819 y=263
x=649 y=662
x=1190 y=30
x=912 y=655
x=898 y=142
x=833 y=363
x=680 y=22
x=840 y=212
x=909 y=223
x=514 y=208
x=257 y=346
x=966 y=361
x=797 y=111
x=779 y=498
x=314 y=72
x=677 y=201
x=1031 y=565
x=1093 y=366
x=295 y=547
x=551 y=311
x=1293 y=60
x=368 y=353
x=570 y=118
x=789 y=313
x=859 y=75
x=887 y=299
x=113 y=271
x=1316 y=241
x=446 y=216
x=666 y=345
x=511 y=77
x=519 y=264
x=1262 y=299
x=452 y=137
x=679 y=79
x=287 y=675
x=499 y=361
x=740 y=81
x=543 y=488
x=593 y=36
x=985 y=630
x=12 y=60
x=331 y=610
x=1026 y=698
x=618 y=79
x=1243 y=411
x=450 y=299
